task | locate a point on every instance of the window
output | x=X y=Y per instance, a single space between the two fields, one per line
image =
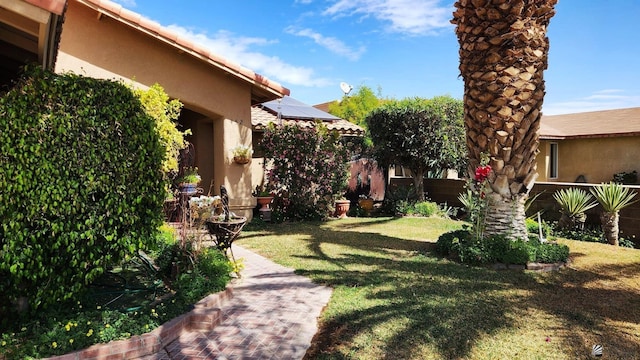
x=553 y=160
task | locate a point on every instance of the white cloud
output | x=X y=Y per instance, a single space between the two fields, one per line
x=241 y=50
x=332 y=44
x=600 y=100
x=414 y=17
x=126 y=3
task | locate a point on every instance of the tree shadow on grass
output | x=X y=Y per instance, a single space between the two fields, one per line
x=450 y=307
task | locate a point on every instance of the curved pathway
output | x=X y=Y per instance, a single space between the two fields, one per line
x=272 y=315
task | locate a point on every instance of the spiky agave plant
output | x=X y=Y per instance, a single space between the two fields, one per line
x=612 y=197
x=574 y=202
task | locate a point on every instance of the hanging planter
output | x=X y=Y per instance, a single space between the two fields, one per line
x=242 y=154
x=242 y=160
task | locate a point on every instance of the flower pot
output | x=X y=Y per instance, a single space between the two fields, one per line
x=264 y=202
x=342 y=207
x=366 y=205
x=188 y=188
x=242 y=160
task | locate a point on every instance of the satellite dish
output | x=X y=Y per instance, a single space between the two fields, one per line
x=346 y=88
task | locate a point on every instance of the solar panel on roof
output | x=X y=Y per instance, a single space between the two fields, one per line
x=294 y=109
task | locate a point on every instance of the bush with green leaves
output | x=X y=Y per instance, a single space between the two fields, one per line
x=308 y=170
x=211 y=273
x=468 y=249
x=426 y=208
x=80 y=183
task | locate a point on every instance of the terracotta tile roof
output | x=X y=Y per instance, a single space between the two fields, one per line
x=261 y=116
x=263 y=89
x=52 y=6
x=606 y=123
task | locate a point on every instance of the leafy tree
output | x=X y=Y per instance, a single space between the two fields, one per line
x=419 y=134
x=308 y=169
x=355 y=109
x=165 y=112
x=80 y=183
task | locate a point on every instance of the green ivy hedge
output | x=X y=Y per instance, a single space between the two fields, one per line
x=80 y=183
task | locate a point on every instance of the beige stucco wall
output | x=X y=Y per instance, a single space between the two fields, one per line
x=102 y=47
x=597 y=159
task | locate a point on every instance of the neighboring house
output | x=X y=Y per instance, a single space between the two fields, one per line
x=101 y=39
x=589 y=147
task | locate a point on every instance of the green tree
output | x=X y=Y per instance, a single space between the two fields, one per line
x=420 y=134
x=355 y=108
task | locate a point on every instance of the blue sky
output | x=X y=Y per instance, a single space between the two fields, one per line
x=405 y=48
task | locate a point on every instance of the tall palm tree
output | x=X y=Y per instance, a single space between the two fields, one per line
x=503 y=53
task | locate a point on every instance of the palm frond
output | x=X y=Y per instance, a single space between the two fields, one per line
x=574 y=201
x=613 y=197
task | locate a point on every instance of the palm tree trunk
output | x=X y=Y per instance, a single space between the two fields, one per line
x=609 y=222
x=507 y=217
x=503 y=53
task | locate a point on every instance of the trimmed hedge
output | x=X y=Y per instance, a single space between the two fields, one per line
x=80 y=183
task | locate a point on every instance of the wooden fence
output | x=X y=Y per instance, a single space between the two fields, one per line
x=447 y=190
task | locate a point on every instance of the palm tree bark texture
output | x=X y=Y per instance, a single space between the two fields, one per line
x=503 y=53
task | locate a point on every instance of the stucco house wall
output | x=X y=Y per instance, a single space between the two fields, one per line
x=594 y=160
x=118 y=44
x=591 y=146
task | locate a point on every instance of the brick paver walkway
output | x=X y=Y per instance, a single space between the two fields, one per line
x=272 y=315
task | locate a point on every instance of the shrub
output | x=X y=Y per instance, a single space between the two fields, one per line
x=533 y=228
x=210 y=274
x=165 y=112
x=549 y=252
x=426 y=208
x=308 y=169
x=444 y=244
x=81 y=183
x=468 y=249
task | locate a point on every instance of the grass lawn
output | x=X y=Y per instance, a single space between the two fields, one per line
x=396 y=299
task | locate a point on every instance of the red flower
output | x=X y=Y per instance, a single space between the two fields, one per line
x=482 y=172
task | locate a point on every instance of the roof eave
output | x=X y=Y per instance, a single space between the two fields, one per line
x=262 y=89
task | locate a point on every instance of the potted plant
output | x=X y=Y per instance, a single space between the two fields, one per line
x=366 y=203
x=342 y=207
x=264 y=197
x=188 y=182
x=242 y=154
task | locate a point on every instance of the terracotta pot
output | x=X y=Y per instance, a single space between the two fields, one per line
x=342 y=207
x=264 y=202
x=366 y=205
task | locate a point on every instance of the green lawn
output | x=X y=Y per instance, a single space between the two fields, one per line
x=395 y=299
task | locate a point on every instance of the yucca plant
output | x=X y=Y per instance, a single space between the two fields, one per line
x=613 y=198
x=574 y=202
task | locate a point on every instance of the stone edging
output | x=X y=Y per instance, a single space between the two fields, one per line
x=205 y=315
x=542 y=267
